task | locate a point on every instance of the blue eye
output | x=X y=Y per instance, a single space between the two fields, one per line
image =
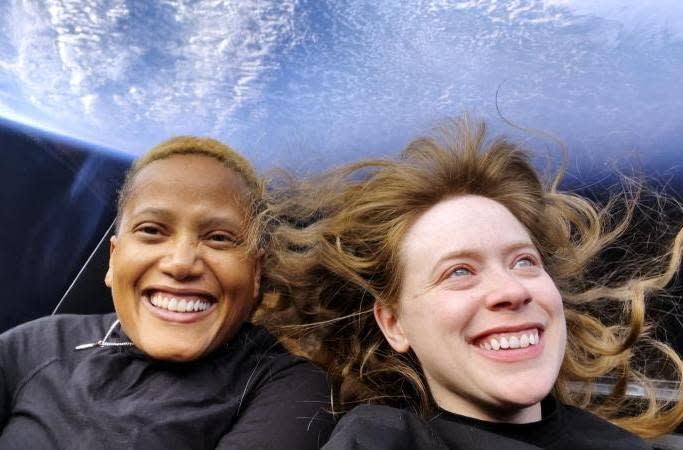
x=460 y=272
x=524 y=262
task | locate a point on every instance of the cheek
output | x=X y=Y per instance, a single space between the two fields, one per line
x=547 y=295
x=562 y=324
x=439 y=316
x=555 y=309
x=235 y=274
x=456 y=307
x=556 y=303
x=129 y=265
x=452 y=317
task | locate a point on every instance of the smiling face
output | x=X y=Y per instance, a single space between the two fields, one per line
x=478 y=309
x=182 y=285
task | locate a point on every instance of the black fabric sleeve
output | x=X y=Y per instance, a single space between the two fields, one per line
x=289 y=411
x=376 y=427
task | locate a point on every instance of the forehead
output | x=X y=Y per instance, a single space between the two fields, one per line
x=463 y=223
x=187 y=178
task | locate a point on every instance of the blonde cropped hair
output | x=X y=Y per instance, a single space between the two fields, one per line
x=254 y=235
x=337 y=253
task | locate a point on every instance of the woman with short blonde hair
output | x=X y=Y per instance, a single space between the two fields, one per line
x=179 y=365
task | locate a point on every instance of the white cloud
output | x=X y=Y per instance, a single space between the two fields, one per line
x=173 y=63
x=664 y=16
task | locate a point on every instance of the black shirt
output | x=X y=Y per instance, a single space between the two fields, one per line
x=561 y=428
x=250 y=394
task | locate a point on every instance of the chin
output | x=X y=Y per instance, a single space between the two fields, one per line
x=524 y=399
x=170 y=352
x=523 y=394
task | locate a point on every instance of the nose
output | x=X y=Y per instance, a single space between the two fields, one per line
x=182 y=261
x=506 y=292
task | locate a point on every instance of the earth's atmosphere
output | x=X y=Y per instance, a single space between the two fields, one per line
x=305 y=84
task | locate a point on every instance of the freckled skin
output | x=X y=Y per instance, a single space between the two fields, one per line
x=469 y=266
x=179 y=230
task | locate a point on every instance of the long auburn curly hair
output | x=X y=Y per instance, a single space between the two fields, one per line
x=336 y=241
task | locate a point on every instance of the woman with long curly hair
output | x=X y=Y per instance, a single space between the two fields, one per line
x=450 y=294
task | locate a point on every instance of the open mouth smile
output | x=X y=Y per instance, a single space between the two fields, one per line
x=179 y=304
x=511 y=346
x=178 y=307
x=505 y=341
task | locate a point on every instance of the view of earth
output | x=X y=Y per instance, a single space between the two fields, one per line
x=307 y=83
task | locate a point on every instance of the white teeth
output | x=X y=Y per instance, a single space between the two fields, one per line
x=511 y=341
x=524 y=341
x=179 y=305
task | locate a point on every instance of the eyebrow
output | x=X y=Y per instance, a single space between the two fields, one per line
x=210 y=222
x=151 y=211
x=221 y=221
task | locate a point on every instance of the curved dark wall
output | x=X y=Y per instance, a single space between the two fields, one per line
x=56 y=201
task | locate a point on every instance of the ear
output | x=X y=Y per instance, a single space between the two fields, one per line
x=109 y=277
x=258 y=262
x=389 y=323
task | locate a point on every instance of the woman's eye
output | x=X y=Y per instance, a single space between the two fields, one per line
x=222 y=238
x=525 y=262
x=460 y=272
x=150 y=230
